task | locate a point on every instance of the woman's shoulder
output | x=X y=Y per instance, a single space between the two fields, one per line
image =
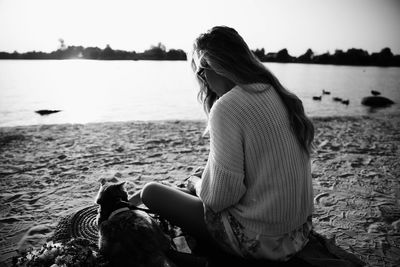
x=239 y=101
x=241 y=96
x=229 y=102
x=240 y=93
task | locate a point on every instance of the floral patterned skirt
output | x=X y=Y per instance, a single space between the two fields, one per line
x=234 y=238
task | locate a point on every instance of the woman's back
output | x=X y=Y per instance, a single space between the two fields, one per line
x=251 y=134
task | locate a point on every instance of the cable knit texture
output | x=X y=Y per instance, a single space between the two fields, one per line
x=256 y=170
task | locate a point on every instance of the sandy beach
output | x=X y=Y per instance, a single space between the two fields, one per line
x=49 y=171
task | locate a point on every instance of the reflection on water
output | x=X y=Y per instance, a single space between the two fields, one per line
x=96 y=91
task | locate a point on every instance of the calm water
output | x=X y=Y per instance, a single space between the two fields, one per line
x=98 y=91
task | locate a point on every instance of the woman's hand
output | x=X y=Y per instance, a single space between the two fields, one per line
x=198 y=172
x=191 y=184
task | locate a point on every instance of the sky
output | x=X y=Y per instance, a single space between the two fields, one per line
x=136 y=25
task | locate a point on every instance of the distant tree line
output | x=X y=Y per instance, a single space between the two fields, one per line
x=352 y=56
x=157 y=52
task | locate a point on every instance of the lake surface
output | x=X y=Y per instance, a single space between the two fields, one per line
x=99 y=91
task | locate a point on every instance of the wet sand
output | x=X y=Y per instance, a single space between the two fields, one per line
x=49 y=171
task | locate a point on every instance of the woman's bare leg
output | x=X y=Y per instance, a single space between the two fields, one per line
x=136 y=199
x=179 y=207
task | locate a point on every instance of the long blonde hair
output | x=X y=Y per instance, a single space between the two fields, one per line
x=224 y=51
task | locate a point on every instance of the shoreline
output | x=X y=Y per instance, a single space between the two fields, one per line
x=48 y=171
x=314 y=118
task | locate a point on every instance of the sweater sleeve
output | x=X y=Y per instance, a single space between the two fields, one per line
x=223 y=178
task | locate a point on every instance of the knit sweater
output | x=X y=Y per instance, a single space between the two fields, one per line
x=256 y=169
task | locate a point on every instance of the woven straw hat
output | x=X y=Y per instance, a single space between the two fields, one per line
x=81 y=224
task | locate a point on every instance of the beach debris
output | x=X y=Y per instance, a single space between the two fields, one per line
x=376 y=101
x=44 y=112
x=320 y=195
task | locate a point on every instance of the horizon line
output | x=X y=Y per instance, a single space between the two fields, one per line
x=154 y=46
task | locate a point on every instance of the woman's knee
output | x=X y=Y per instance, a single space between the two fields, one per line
x=179 y=208
x=150 y=192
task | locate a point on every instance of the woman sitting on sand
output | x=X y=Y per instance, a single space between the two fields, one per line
x=255 y=197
